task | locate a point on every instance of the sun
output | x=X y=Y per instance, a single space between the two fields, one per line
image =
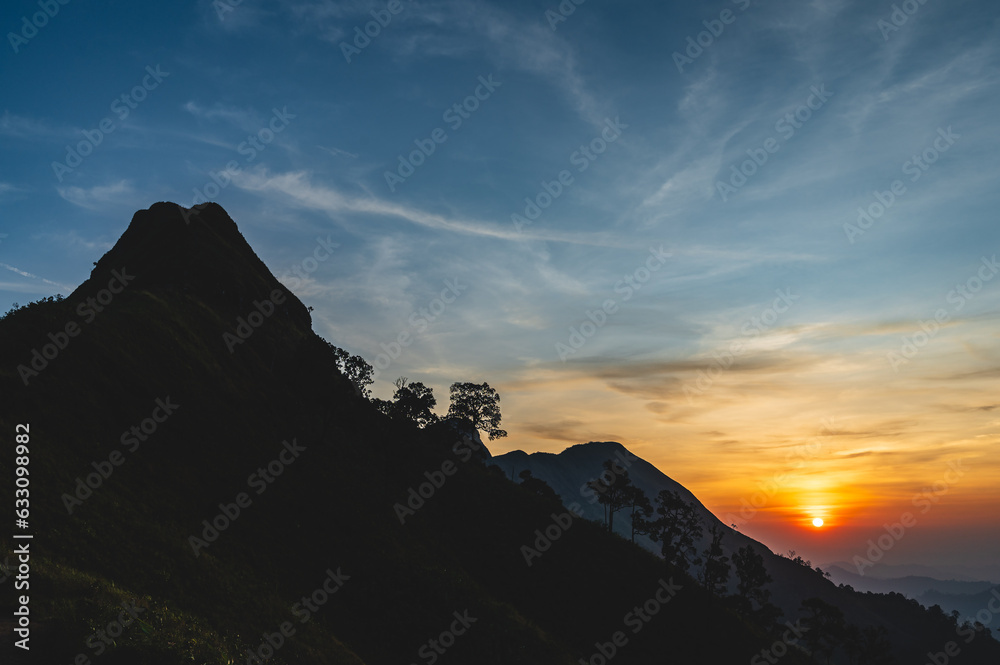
x=818 y=522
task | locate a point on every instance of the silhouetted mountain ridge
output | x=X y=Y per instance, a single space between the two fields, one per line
x=107 y=533
x=569 y=471
x=198 y=251
x=106 y=540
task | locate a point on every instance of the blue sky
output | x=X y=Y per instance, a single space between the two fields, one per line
x=206 y=78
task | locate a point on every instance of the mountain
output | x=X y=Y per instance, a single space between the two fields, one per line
x=196 y=498
x=983 y=606
x=910 y=585
x=883 y=571
x=967 y=598
x=568 y=473
x=206 y=486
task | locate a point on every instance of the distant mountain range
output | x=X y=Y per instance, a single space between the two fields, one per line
x=968 y=598
x=200 y=499
x=884 y=571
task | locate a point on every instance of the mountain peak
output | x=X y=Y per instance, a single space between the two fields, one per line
x=199 y=251
x=608 y=446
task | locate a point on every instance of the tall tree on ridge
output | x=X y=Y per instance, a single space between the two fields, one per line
x=479 y=405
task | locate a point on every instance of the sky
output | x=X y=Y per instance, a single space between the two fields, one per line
x=755 y=242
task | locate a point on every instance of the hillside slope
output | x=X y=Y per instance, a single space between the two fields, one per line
x=911 y=633
x=225 y=492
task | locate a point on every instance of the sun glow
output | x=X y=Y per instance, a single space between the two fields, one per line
x=818 y=522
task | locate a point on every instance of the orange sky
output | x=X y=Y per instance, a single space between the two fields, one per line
x=800 y=434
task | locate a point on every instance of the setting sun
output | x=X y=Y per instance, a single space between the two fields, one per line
x=818 y=522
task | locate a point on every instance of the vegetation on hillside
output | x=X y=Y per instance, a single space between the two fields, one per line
x=276 y=474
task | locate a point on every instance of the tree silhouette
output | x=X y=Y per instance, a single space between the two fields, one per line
x=537 y=486
x=640 y=509
x=805 y=563
x=768 y=616
x=412 y=401
x=356 y=369
x=613 y=490
x=715 y=574
x=852 y=644
x=383 y=406
x=752 y=577
x=824 y=626
x=677 y=528
x=479 y=405
x=868 y=646
x=795 y=558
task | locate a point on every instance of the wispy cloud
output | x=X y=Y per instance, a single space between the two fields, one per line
x=337 y=152
x=527 y=45
x=240 y=117
x=73 y=240
x=297 y=188
x=233 y=61
x=101 y=197
x=21 y=127
x=457 y=28
x=25 y=273
x=233 y=15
